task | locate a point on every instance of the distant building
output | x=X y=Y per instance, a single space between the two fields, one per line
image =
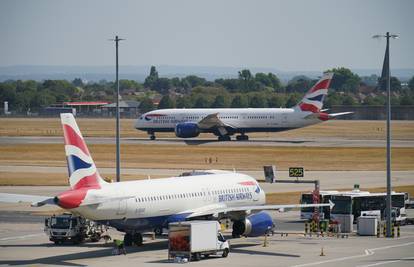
x=55 y=111
x=127 y=108
x=86 y=108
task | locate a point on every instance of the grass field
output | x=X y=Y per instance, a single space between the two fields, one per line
x=403 y=130
x=195 y=157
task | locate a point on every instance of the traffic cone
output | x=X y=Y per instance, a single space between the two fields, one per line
x=322 y=254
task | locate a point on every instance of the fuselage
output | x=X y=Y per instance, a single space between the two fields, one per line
x=147 y=204
x=241 y=120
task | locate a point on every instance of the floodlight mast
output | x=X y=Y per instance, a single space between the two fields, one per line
x=118 y=161
x=386 y=72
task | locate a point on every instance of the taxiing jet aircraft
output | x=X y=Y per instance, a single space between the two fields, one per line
x=187 y=123
x=134 y=207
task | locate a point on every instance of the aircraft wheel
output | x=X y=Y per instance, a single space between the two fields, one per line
x=224 y=138
x=158 y=231
x=128 y=240
x=242 y=137
x=152 y=137
x=138 y=239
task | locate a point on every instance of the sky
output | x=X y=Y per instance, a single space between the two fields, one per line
x=307 y=35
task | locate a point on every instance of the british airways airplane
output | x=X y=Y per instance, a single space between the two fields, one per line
x=224 y=123
x=134 y=207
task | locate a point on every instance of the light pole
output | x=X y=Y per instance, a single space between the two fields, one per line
x=386 y=74
x=118 y=164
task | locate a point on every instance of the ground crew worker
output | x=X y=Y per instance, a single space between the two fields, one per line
x=119 y=246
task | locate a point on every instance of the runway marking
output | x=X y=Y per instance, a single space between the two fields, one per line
x=386 y=262
x=367 y=252
x=19 y=237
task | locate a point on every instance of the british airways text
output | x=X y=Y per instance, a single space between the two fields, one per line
x=234 y=197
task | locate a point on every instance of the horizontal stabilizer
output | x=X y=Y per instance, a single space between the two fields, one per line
x=36 y=201
x=333 y=115
x=325 y=116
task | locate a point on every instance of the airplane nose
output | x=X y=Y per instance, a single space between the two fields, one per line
x=139 y=122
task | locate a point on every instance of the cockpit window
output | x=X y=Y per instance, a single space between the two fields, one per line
x=141 y=117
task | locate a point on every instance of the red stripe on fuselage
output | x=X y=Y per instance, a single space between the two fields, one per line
x=72 y=198
x=72 y=138
x=321 y=85
x=247 y=183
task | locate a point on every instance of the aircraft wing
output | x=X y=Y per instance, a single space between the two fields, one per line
x=222 y=211
x=36 y=201
x=213 y=121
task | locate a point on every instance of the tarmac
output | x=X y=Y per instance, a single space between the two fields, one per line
x=23 y=242
x=294 y=142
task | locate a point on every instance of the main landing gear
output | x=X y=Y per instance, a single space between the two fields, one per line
x=242 y=137
x=224 y=138
x=130 y=239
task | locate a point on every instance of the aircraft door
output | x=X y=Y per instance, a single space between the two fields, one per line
x=207 y=197
x=122 y=208
x=284 y=118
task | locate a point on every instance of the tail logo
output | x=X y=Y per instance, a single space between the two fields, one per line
x=313 y=100
x=81 y=168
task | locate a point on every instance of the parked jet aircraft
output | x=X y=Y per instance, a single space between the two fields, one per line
x=137 y=206
x=225 y=122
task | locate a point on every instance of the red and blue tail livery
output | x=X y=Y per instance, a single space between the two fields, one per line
x=81 y=168
x=313 y=100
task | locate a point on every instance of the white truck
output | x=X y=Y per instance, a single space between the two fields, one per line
x=193 y=239
x=69 y=227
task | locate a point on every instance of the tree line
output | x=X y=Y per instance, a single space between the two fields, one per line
x=247 y=90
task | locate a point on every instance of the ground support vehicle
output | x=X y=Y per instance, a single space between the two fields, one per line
x=193 y=239
x=71 y=228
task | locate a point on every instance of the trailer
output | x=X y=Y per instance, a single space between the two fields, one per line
x=193 y=239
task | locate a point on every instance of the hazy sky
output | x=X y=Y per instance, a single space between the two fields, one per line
x=287 y=35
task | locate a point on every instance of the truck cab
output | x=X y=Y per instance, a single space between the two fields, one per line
x=69 y=227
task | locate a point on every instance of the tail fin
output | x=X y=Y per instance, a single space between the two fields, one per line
x=82 y=169
x=313 y=99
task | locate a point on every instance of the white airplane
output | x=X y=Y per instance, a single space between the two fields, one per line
x=187 y=123
x=134 y=207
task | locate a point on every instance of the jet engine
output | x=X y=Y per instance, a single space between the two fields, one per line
x=254 y=225
x=187 y=130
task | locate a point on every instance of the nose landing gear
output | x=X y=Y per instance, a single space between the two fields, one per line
x=224 y=138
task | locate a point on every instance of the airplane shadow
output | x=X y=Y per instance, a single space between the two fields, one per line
x=206 y=141
x=103 y=250
x=240 y=249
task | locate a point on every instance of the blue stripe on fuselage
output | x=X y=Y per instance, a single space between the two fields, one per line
x=236 y=130
x=144 y=224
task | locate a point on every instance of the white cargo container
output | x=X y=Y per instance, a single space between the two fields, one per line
x=192 y=239
x=367 y=225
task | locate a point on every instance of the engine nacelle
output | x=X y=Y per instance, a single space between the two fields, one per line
x=187 y=130
x=254 y=225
